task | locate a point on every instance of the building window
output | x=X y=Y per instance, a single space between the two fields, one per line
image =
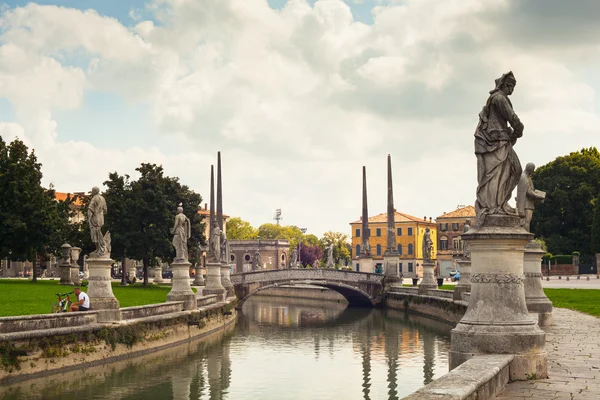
x=232 y=257
x=247 y=257
x=455 y=226
x=399 y=231
x=357 y=232
x=410 y=249
x=409 y=231
x=400 y=249
x=400 y=267
x=457 y=244
x=443 y=243
x=378 y=231
x=410 y=267
x=358 y=250
x=378 y=249
x=443 y=227
x=369 y=232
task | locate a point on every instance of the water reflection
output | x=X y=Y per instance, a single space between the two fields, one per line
x=279 y=349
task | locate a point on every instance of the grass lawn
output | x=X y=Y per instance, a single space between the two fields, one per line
x=584 y=300
x=21 y=297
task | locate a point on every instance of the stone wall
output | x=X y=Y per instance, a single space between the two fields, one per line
x=438 y=308
x=304 y=292
x=560 y=269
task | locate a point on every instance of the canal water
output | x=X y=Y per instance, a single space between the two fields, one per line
x=279 y=349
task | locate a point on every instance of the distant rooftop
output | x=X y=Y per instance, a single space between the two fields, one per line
x=463 y=212
x=398 y=217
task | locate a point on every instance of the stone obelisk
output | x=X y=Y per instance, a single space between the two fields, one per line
x=390 y=257
x=213 y=263
x=365 y=259
x=225 y=262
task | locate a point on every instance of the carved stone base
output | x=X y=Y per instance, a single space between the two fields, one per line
x=497 y=320
x=535 y=298
x=100 y=290
x=392 y=270
x=366 y=264
x=213 y=281
x=65 y=275
x=158 y=275
x=181 y=289
x=199 y=278
x=226 y=280
x=428 y=282
x=464 y=283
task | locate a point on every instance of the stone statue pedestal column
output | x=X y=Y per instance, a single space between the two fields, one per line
x=65 y=274
x=366 y=264
x=392 y=274
x=464 y=283
x=535 y=298
x=181 y=289
x=429 y=282
x=226 y=280
x=75 y=275
x=497 y=320
x=158 y=275
x=100 y=290
x=213 y=280
x=198 y=279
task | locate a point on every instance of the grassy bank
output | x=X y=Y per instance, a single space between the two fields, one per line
x=21 y=297
x=584 y=300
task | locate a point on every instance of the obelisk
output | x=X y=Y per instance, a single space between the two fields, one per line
x=390 y=256
x=225 y=267
x=213 y=263
x=365 y=260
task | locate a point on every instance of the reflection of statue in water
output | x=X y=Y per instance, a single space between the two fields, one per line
x=181 y=233
x=427 y=245
x=330 y=263
x=215 y=242
x=527 y=196
x=96 y=210
x=294 y=258
x=498 y=167
x=256 y=261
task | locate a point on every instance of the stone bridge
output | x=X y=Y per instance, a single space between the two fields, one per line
x=359 y=288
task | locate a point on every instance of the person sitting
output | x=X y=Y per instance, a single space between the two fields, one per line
x=83 y=301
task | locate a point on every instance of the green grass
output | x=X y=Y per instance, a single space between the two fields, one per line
x=584 y=300
x=21 y=297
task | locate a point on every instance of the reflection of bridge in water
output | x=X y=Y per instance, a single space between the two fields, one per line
x=359 y=288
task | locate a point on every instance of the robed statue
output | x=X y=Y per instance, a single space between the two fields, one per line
x=95 y=214
x=330 y=262
x=181 y=231
x=214 y=244
x=256 y=261
x=527 y=196
x=294 y=258
x=466 y=228
x=225 y=249
x=498 y=167
x=427 y=245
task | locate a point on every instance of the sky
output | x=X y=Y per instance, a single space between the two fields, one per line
x=297 y=95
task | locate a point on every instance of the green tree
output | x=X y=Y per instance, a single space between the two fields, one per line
x=572 y=184
x=595 y=239
x=341 y=247
x=238 y=229
x=28 y=212
x=141 y=213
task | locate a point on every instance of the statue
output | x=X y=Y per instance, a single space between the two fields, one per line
x=466 y=228
x=225 y=249
x=527 y=196
x=498 y=167
x=365 y=249
x=427 y=245
x=215 y=242
x=316 y=263
x=294 y=259
x=256 y=261
x=95 y=215
x=330 y=263
x=181 y=232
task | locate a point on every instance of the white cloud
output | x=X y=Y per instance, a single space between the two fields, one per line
x=298 y=99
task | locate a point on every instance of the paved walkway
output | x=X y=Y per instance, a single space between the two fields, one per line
x=573 y=346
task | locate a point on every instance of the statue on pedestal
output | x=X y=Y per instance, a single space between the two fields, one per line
x=256 y=261
x=527 y=196
x=427 y=246
x=96 y=210
x=294 y=258
x=225 y=249
x=182 y=232
x=498 y=167
x=214 y=247
x=466 y=252
x=330 y=262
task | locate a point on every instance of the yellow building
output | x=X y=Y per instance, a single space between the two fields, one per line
x=409 y=237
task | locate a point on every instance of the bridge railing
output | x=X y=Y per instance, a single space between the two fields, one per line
x=301 y=274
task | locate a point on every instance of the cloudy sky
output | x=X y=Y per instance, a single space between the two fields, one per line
x=298 y=95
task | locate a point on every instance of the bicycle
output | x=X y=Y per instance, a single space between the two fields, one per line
x=63 y=303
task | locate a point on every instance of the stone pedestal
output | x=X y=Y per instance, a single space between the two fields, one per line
x=428 y=282
x=181 y=289
x=213 y=280
x=497 y=320
x=158 y=275
x=391 y=265
x=226 y=280
x=366 y=264
x=198 y=279
x=535 y=298
x=464 y=283
x=65 y=274
x=100 y=290
x=75 y=275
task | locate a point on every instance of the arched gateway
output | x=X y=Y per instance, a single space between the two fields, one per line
x=359 y=288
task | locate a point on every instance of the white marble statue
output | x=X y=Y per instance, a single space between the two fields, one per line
x=330 y=262
x=181 y=233
x=225 y=249
x=96 y=210
x=294 y=258
x=527 y=196
x=427 y=245
x=215 y=242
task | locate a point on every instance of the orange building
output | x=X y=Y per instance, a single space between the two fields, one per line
x=409 y=236
x=450 y=228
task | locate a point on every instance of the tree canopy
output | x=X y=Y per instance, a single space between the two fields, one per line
x=595 y=239
x=572 y=184
x=341 y=246
x=238 y=229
